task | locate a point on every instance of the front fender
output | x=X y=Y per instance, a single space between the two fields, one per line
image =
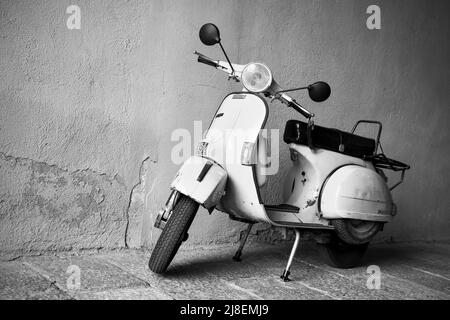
x=202 y=180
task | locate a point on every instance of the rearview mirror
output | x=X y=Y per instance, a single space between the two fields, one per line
x=209 y=34
x=319 y=91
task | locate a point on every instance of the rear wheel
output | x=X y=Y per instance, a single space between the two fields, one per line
x=356 y=231
x=343 y=255
x=173 y=234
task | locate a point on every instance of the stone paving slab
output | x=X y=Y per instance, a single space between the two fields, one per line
x=18 y=282
x=273 y=288
x=353 y=284
x=435 y=259
x=180 y=282
x=267 y=264
x=95 y=274
x=140 y=293
x=425 y=275
x=330 y=283
x=394 y=285
x=408 y=271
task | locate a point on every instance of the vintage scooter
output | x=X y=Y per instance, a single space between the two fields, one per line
x=335 y=190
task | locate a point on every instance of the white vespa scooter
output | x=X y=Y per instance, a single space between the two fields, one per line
x=336 y=189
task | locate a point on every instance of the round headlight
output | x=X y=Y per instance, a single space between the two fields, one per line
x=256 y=77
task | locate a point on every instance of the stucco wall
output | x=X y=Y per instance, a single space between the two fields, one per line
x=87 y=115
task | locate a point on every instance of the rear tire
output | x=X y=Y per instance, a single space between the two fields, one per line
x=343 y=255
x=173 y=234
x=356 y=231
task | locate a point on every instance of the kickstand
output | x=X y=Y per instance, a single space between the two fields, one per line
x=237 y=256
x=286 y=272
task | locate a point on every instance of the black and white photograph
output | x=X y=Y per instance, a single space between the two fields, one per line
x=221 y=157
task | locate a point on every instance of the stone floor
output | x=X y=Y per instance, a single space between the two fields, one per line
x=408 y=271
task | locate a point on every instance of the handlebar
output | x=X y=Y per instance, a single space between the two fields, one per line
x=236 y=75
x=206 y=60
x=296 y=106
x=301 y=110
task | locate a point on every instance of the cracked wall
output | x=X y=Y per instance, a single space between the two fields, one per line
x=86 y=116
x=43 y=207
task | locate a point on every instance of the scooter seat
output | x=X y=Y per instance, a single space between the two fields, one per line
x=330 y=139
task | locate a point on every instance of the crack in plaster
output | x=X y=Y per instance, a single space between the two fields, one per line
x=130 y=200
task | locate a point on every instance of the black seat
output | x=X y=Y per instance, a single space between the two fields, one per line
x=330 y=139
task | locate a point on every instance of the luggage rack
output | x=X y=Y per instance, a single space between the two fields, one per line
x=380 y=160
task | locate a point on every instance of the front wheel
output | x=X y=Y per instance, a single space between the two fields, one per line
x=173 y=234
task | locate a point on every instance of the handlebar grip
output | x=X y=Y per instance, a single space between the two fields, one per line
x=208 y=61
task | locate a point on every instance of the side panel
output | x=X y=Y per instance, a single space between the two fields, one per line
x=237 y=123
x=304 y=181
x=355 y=192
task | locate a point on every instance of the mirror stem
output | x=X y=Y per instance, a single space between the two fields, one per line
x=231 y=66
x=289 y=90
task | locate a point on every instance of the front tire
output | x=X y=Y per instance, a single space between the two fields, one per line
x=173 y=234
